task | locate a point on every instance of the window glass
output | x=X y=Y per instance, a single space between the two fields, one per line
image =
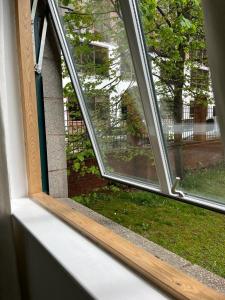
x=175 y=43
x=96 y=33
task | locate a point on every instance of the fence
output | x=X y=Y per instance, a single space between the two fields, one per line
x=191 y=130
x=76 y=134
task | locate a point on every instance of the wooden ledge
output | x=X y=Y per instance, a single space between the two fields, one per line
x=166 y=277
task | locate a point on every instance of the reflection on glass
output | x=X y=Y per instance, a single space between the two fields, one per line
x=176 y=47
x=95 y=31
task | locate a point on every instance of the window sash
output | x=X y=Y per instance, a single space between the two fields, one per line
x=136 y=42
x=77 y=86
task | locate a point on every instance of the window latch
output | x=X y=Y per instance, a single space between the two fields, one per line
x=174 y=190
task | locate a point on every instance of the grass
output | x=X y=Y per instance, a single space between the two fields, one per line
x=207 y=182
x=195 y=234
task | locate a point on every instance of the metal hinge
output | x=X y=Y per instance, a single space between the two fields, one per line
x=38 y=64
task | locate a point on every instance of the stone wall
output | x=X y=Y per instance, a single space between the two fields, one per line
x=54 y=118
x=199 y=155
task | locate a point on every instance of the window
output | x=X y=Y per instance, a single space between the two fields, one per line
x=156 y=95
x=93 y=59
x=183 y=85
x=103 y=98
x=126 y=67
x=33 y=154
x=199 y=55
x=200 y=79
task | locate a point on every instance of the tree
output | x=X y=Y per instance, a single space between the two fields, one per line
x=175 y=39
x=174 y=36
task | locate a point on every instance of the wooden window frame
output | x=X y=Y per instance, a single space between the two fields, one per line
x=169 y=279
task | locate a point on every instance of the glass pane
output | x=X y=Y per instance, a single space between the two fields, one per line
x=97 y=36
x=175 y=40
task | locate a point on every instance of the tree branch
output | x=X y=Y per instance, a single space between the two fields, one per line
x=164 y=16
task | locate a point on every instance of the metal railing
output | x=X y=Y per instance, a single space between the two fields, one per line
x=76 y=131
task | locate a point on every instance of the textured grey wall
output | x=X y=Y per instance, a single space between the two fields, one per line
x=54 y=118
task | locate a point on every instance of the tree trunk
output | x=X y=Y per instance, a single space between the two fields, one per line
x=200 y=113
x=178 y=115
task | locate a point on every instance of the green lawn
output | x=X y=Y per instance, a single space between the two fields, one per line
x=191 y=232
x=207 y=182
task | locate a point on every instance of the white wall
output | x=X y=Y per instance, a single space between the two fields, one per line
x=10 y=99
x=9 y=129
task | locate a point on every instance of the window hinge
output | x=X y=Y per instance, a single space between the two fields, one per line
x=38 y=64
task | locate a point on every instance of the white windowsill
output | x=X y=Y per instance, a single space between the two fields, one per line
x=96 y=271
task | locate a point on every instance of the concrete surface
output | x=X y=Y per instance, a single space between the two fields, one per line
x=54 y=118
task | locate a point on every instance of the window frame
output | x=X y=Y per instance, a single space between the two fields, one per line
x=74 y=76
x=166 y=277
x=167 y=185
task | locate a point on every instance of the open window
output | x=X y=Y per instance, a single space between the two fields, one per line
x=139 y=114
x=149 y=92
x=181 y=75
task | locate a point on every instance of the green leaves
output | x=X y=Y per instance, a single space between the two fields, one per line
x=185 y=23
x=80 y=156
x=65 y=2
x=76 y=166
x=173 y=31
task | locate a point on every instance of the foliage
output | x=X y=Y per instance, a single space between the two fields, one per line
x=85 y=24
x=175 y=40
x=174 y=35
x=81 y=159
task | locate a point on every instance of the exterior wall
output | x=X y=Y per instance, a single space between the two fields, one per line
x=54 y=118
x=195 y=156
x=78 y=184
